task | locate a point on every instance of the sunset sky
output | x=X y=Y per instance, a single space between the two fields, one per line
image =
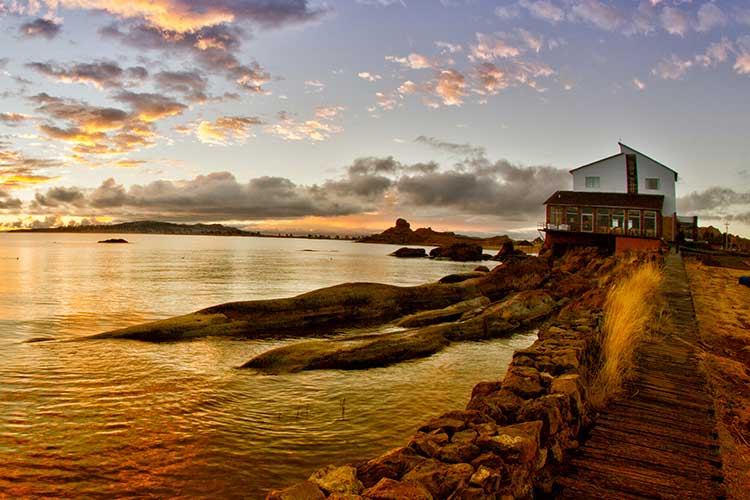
x=343 y=115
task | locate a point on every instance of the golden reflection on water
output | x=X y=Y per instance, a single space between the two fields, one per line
x=111 y=418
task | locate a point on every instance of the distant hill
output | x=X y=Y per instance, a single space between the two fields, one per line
x=402 y=234
x=148 y=227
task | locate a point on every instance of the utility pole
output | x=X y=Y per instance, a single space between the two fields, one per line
x=726 y=236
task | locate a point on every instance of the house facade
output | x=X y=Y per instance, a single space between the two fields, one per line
x=622 y=202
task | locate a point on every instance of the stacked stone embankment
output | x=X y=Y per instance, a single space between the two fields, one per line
x=506 y=443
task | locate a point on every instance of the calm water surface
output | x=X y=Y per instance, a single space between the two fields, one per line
x=106 y=418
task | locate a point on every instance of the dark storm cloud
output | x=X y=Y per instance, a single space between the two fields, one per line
x=40 y=28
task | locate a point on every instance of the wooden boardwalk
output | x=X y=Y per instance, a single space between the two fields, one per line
x=660 y=441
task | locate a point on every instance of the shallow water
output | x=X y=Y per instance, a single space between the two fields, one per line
x=132 y=419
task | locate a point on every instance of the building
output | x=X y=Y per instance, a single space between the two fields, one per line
x=622 y=202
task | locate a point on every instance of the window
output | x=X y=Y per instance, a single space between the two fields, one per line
x=649 y=223
x=652 y=183
x=618 y=220
x=571 y=218
x=555 y=216
x=592 y=182
x=602 y=220
x=587 y=219
x=634 y=222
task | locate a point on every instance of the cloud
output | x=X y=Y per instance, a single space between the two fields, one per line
x=490 y=78
x=673 y=68
x=710 y=16
x=226 y=129
x=717 y=52
x=484 y=188
x=742 y=63
x=40 y=27
x=183 y=16
x=534 y=42
x=542 y=9
x=318 y=129
x=449 y=48
x=14 y=119
x=602 y=15
x=100 y=74
x=211 y=197
x=151 y=107
x=717 y=203
x=675 y=21
x=370 y=77
x=463 y=150
x=94 y=130
x=492 y=47
x=191 y=85
x=7 y=202
x=328 y=112
x=19 y=171
x=213 y=48
x=450 y=86
x=412 y=61
x=508 y=12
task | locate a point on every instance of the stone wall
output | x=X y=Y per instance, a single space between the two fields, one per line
x=508 y=441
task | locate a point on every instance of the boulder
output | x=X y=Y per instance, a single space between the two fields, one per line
x=461 y=252
x=406 y=252
x=482 y=269
x=388 y=489
x=439 y=478
x=518 y=443
x=392 y=465
x=306 y=490
x=334 y=479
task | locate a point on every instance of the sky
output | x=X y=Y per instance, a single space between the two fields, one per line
x=342 y=115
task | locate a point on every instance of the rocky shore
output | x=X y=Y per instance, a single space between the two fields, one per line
x=513 y=435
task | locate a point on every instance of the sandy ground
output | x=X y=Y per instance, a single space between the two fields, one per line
x=722 y=307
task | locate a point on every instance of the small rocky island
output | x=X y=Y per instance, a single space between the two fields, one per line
x=402 y=234
x=114 y=240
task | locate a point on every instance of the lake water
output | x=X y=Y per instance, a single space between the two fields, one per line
x=119 y=418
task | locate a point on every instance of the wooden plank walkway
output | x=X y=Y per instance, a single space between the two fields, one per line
x=660 y=441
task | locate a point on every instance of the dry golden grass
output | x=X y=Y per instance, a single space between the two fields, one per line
x=630 y=308
x=723 y=314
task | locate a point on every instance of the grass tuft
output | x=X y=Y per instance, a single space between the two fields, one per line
x=632 y=305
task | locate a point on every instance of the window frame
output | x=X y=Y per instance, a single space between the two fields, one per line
x=595 y=181
x=657 y=183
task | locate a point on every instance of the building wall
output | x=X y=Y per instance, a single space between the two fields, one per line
x=611 y=172
x=648 y=168
x=624 y=244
